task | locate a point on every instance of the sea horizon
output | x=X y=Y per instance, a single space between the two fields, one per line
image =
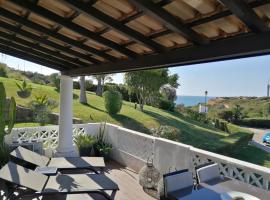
x=188 y=100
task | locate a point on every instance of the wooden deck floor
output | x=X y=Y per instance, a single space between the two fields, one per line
x=127 y=181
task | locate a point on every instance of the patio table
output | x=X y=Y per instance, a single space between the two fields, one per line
x=214 y=188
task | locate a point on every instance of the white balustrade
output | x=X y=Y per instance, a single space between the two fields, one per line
x=132 y=149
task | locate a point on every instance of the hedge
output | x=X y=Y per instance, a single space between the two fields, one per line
x=254 y=122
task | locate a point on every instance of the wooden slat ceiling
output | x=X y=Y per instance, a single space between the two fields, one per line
x=80 y=37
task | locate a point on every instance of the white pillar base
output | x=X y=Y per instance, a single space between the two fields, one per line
x=70 y=153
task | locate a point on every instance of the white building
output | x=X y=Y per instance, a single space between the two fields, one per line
x=203 y=109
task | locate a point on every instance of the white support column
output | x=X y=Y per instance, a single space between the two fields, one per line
x=66 y=147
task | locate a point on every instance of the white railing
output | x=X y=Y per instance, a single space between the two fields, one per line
x=132 y=149
x=247 y=172
x=46 y=134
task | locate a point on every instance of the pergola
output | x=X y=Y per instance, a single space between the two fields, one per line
x=82 y=37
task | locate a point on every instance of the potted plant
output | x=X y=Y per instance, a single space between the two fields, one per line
x=24 y=89
x=85 y=144
x=102 y=147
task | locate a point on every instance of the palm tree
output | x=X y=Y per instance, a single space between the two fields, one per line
x=83 y=98
x=101 y=79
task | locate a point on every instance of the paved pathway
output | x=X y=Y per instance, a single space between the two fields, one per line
x=258 y=136
x=258 y=133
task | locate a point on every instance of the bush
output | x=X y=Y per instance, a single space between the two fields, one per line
x=85 y=144
x=254 y=122
x=113 y=101
x=200 y=117
x=167 y=132
x=166 y=104
x=42 y=107
x=24 y=89
x=226 y=115
x=222 y=125
x=3 y=70
x=55 y=80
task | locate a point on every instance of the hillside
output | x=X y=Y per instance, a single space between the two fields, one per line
x=253 y=107
x=190 y=132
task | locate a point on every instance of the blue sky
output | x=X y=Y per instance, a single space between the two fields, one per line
x=241 y=77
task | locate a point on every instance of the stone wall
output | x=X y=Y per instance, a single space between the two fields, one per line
x=24 y=115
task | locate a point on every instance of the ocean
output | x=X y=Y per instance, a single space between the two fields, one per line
x=191 y=100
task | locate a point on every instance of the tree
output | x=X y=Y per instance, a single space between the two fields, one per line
x=3 y=70
x=83 y=98
x=237 y=112
x=55 y=80
x=145 y=84
x=168 y=91
x=101 y=79
x=173 y=80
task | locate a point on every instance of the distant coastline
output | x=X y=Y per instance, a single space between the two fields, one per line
x=191 y=100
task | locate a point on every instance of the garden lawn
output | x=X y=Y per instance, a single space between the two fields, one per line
x=190 y=132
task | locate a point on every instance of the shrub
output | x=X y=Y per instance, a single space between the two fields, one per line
x=168 y=91
x=167 y=132
x=85 y=144
x=200 y=117
x=24 y=89
x=254 y=122
x=222 y=125
x=3 y=70
x=42 y=107
x=55 y=80
x=166 y=104
x=113 y=101
x=226 y=115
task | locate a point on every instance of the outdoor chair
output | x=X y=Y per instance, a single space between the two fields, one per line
x=32 y=160
x=30 y=184
x=177 y=181
x=207 y=172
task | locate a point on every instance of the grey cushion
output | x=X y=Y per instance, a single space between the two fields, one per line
x=30 y=156
x=208 y=173
x=24 y=177
x=177 y=182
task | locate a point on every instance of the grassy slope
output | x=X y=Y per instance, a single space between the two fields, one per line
x=252 y=107
x=192 y=132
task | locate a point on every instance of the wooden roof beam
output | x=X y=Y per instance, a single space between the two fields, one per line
x=170 y=21
x=242 y=10
x=72 y=26
x=35 y=46
x=31 y=58
x=114 y=24
x=39 y=54
x=246 y=14
x=55 y=34
x=231 y=48
x=45 y=41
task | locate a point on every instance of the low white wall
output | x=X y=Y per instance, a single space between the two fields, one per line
x=132 y=149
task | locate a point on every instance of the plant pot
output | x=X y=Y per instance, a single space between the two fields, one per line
x=24 y=94
x=106 y=156
x=85 y=151
x=96 y=151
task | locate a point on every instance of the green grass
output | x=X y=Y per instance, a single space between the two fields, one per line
x=190 y=132
x=253 y=107
x=27 y=124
